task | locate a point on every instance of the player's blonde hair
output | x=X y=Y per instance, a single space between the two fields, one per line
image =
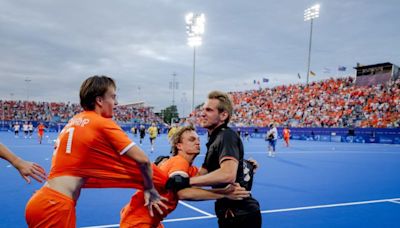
x=177 y=138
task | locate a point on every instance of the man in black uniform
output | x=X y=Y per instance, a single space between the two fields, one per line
x=224 y=164
x=142 y=133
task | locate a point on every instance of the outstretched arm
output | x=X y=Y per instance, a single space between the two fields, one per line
x=25 y=168
x=151 y=196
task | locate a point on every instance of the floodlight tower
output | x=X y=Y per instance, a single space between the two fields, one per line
x=195 y=29
x=309 y=15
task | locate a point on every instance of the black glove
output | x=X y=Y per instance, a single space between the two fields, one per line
x=177 y=182
x=159 y=159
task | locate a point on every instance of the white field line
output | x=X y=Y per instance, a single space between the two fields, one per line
x=327 y=152
x=330 y=205
x=393 y=200
x=195 y=208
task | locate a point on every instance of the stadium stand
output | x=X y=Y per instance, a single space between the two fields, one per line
x=333 y=103
x=329 y=103
x=61 y=112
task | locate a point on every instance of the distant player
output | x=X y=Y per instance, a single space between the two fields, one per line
x=286 y=135
x=40 y=128
x=25 y=168
x=30 y=129
x=272 y=137
x=153 y=132
x=246 y=135
x=25 y=128
x=16 y=129
x=142 y=133
x=239 y=132
x=133 y=131
x=172 y=131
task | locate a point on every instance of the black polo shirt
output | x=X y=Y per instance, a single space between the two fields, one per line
x=224 y=143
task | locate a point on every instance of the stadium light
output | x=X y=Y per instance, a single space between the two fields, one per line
x=195 y=29
x=309 y=15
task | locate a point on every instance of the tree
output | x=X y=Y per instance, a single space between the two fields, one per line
x=169 y=113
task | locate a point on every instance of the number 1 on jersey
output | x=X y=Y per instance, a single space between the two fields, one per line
x=69 y=142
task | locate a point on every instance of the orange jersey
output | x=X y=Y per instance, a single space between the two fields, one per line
x=92 y=147
x=41 y=129
x=286 y=133
x=135 y=213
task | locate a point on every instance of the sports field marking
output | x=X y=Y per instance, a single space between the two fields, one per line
x=328 y=152
x=393 y=200
x=195 y=208
x=330 y=205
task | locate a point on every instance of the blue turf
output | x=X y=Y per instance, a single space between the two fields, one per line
x=305 y=174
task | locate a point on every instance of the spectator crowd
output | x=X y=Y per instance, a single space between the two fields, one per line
x=62 y=112
x=329 y=103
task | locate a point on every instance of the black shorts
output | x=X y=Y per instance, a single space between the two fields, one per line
x=251 y=220
x=152 y=139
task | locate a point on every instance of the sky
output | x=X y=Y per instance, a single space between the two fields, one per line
x=48 y=48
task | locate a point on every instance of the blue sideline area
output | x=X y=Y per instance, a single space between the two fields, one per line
x=309 y=184
x=349 y=135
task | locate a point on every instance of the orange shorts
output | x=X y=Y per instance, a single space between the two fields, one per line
x=139 y=225
x=49 y=208
x=130 y=220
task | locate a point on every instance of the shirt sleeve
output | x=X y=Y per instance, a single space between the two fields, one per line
x=179 y=166
x=193 y=171
x=116 y=137
x=229 y=148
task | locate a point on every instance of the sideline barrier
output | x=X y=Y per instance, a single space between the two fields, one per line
x=349 y=135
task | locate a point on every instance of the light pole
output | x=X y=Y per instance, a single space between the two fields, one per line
x=183 y=100
x=194 y=29
x=309 y=15
x=173 y=85
x=138 y=89
x=27 y=80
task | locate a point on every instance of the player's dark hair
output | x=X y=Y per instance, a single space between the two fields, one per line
x=92 y=88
